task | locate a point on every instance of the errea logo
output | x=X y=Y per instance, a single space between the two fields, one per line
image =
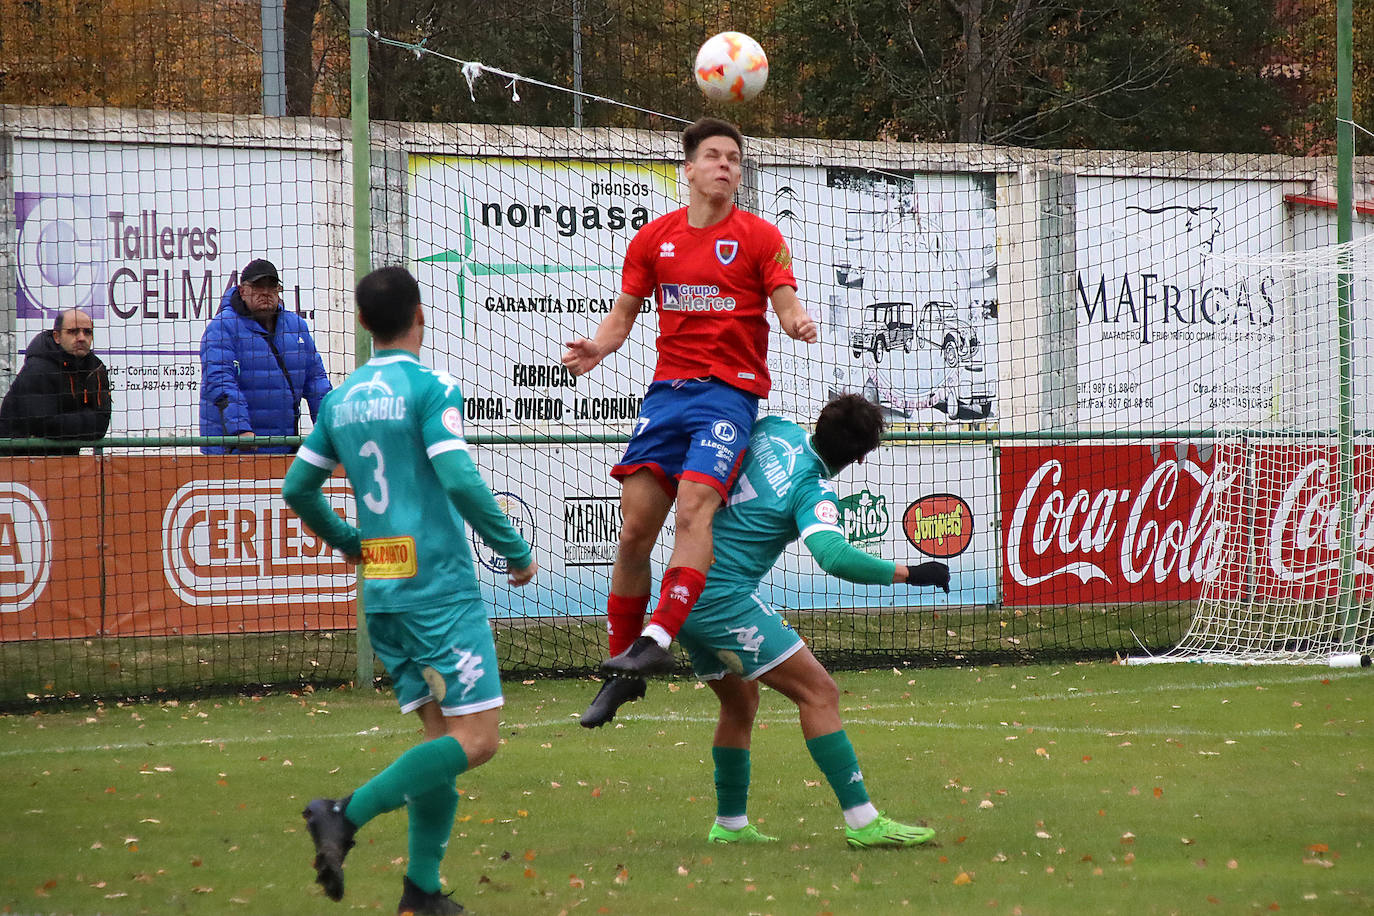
x=667 y=250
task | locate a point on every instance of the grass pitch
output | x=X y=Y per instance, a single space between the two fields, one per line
x=1085 y=788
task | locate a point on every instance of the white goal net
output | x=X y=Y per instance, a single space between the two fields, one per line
x=1291 y=571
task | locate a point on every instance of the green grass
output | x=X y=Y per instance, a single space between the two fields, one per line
x=1055 y=789
x=35 y=673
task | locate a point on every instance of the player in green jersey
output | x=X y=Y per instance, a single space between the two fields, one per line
x=735 y=641
x=397 y=429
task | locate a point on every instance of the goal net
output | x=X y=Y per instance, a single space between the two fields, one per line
x=1291 y=570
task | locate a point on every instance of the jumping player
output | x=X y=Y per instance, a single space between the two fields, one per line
x=714 y=269
x=397 y=428
x=735 y=641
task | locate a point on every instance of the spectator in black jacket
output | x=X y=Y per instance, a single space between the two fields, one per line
x=62 y=391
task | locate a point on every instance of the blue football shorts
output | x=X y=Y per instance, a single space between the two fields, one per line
x=446 y=656
x=740 y=636
x=697 y=429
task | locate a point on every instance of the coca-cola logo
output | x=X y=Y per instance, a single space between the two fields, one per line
x=1303 y=537
x=1129 y=536
x=939 y=525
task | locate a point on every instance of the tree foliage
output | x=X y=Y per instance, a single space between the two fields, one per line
x=1208 y=75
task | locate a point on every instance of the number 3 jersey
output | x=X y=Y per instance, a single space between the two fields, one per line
x=397 y=428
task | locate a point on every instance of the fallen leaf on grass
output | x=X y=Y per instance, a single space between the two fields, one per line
x=576 y=883
x=963 y=878
x=622 y=876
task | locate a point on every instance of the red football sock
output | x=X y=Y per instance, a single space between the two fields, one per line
x=682 y=587
x=624 y=620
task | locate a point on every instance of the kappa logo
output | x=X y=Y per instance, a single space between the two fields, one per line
x=667 y=250
x=25 y=547
x=748 y=638
x=470 y=670
x=232 y=542
x=726 y=249
x=856 y=776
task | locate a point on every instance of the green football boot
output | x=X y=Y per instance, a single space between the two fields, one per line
x=746 y=834
x=884 y=832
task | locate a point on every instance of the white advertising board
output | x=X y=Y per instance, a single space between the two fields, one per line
x=1171 y=332
x=146 y=238
x=907 y=504
x=518 y=257
x=900 y=269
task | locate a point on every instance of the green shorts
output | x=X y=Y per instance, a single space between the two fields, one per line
x=448 y=657
x=740 y=636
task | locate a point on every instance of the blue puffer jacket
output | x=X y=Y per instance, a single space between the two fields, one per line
x=252 y=381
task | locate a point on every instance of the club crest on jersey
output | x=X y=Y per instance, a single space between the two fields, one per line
x=726 y=249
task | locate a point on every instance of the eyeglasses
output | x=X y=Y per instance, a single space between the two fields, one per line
x=264 y=287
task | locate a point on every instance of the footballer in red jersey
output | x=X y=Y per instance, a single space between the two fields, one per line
x=713 y=269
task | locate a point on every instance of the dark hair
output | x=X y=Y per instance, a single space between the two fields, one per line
x=387 y=299
x=849 y=427
x=704 y=129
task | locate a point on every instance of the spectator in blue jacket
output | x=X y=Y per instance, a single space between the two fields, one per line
x=257 y=362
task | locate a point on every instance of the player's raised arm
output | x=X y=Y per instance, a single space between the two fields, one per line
x=585 y=354
x=796 y=322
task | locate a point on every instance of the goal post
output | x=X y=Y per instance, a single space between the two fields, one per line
x=1293 y=580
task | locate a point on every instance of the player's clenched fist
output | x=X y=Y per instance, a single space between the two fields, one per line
x=804 y=329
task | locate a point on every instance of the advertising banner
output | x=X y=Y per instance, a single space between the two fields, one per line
x=1138 y=523
x=1293 y=532
x=520 y=256
x=1109 y=523
x=147 y=238
x=1164 y=302
x=517 y=257
x=150 y=546
x=900 y=270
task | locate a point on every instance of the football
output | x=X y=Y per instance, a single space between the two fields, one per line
x=731 y=67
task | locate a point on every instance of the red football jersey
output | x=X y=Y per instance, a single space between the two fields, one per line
x=712 y=286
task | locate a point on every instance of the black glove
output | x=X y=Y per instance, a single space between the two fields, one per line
x=931 y=573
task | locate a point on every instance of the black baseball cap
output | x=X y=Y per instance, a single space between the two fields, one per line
x=259 y=269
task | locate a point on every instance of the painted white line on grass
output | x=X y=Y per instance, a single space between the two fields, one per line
x=1090 y=693
x=784 y=719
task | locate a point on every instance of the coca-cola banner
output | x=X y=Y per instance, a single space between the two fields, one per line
x=1142 y=523
x=1293 y=532
x=1108 y=523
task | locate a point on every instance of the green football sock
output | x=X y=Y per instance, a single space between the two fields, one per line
x=419 y=770
x=835 y=756
x=431 y=825
x=732 y=780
